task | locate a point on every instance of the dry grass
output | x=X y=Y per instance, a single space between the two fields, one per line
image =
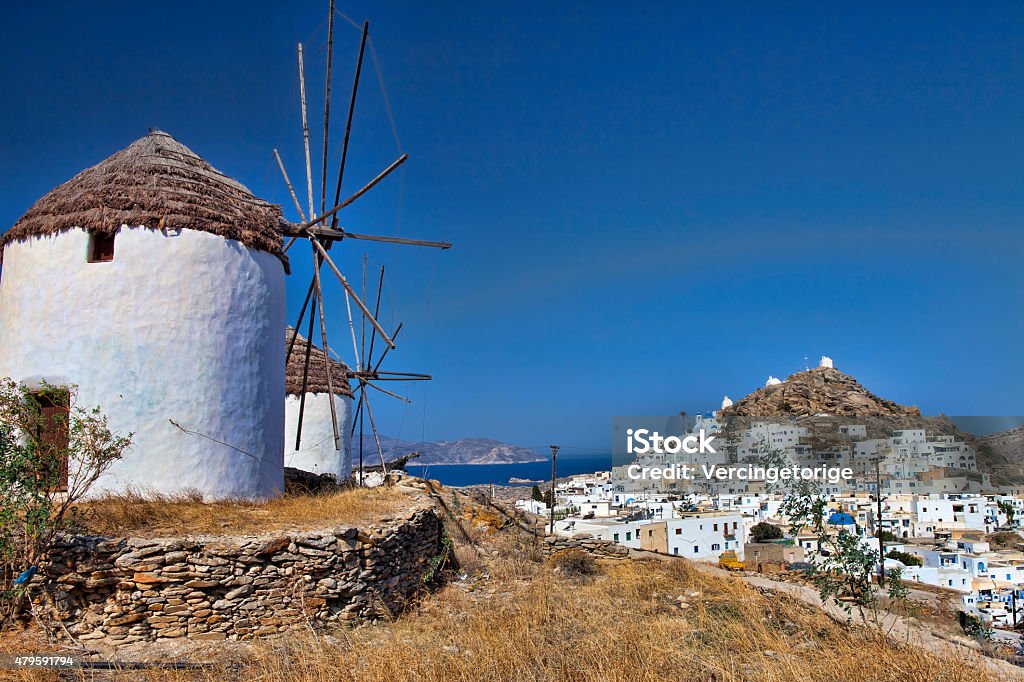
x=575 y=563
x=623 y=626
x=15 y=642
x=164 y=515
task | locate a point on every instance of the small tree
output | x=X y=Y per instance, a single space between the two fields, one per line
x=905 y=558
x=42 y=477
x=898 y=593
x=887 y=536
x=772 y=458
x=537 y=495
x=1008 y=510
x=764 y=531
x=846 y=567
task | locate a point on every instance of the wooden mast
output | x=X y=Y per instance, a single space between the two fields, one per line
x=305 y=381
x=291 y=189
x=305 y=134
x=324 y=347
x=327 y=106
x=351 y=111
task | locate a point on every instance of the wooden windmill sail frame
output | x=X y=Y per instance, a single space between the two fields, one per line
x=321 y=236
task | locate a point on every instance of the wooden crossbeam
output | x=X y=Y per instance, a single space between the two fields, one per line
x=393 y=395
x=337 y=234
x=365 y=188
x=390 y=376
x=319 y=295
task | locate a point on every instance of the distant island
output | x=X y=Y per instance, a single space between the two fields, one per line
x=462 y=451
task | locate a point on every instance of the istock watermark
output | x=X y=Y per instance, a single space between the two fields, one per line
x=645 y=436
x=681 y=448
x=645 y=441
x=752 y=472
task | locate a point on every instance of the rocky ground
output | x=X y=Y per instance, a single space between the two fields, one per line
x=1008 y=444
x=1002 y=453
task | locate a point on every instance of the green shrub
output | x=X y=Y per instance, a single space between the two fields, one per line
x=906 y=558
x=51 y=453
x=765 y=532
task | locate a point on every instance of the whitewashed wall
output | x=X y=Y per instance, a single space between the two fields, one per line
x=183 y=326
x=317 y=453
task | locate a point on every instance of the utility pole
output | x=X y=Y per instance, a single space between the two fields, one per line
x=554 y=454
x=881 y=543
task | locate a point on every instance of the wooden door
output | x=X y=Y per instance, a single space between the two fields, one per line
x=53 y=435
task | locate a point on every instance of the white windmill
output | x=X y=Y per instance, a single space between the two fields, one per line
x=322 y=231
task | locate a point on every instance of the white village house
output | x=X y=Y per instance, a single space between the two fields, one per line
x=156 y=284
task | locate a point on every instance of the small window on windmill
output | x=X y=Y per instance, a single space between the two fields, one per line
x=101 y=248
x=53 y=435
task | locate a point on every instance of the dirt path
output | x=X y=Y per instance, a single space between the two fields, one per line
x=898 y=628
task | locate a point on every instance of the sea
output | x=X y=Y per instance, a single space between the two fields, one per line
x=568 y=464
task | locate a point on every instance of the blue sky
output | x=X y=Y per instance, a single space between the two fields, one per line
x=652 y=205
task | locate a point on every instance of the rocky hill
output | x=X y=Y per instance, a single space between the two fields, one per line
x=1007 y=444
x=806 y=396
x=1002 y=453
x=462 y=451
x=822 y=390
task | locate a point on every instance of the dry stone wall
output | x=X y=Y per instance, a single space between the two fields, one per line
x=599 y=549
x=125 y=590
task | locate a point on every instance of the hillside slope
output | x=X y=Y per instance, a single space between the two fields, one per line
x=511 y=613
x=1002 y=453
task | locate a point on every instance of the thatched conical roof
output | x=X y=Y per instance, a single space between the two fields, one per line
x=316 y=380
x=154 y=182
